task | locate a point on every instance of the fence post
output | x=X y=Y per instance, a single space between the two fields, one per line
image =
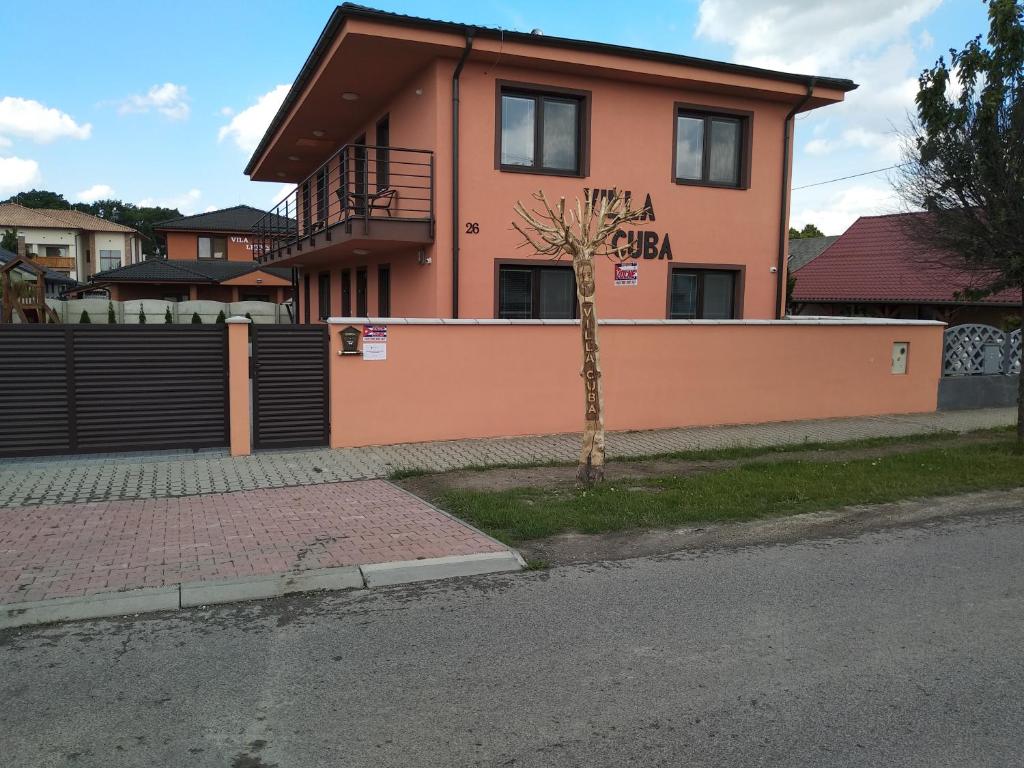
x=239 y=420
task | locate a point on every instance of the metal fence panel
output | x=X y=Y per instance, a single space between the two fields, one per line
x=35 y=409
x=289 y=377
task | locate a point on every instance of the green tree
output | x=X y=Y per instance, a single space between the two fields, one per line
x=964 y=163
x=84 y=317
x=168 y=318
x=809 y=230
x=39 y=198
x=142 y=315
x=9 y=241
x=111 y=315
x=221 y=317
x=196 y=319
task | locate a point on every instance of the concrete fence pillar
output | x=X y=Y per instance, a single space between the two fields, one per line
x=239 y=407
x=334 y=366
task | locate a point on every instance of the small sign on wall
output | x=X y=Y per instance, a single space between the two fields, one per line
x=375 y=342
x=626 y=274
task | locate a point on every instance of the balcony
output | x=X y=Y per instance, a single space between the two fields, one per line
x=371 y=198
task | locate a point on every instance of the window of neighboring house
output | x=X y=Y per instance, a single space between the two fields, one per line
x=542 y=132
x=56 y=251
x=384 y=291
x=88 y=256
x=213 y=247
x=176 y=297
x=361 y=292
x=323 y=294
x=255 y=297
x=711 y=148
x=346 y=293
x=109 y=260
x=702 y=294
x=541 y=293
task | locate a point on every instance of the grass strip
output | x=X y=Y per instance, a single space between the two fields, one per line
x=740 y=493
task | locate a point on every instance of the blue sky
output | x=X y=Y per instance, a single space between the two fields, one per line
x=158 y=103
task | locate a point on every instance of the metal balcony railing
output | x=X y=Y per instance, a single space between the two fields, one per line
x=359 y=184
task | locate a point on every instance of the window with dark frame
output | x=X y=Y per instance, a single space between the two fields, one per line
x=541 y=132
x=323 y=294
x=536 y=292
x=361 y=310
x=321 y=195
x=384 y=291
x=702 y=294
x=209 y=247
x=305 y=298
x=382 y=151
x=346 y=293
x=709 y=148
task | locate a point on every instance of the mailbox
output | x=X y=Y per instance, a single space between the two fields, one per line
x=350 y=340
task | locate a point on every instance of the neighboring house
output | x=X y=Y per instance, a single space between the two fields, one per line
x=804 y=250
x=180 y=280
x=221 y=235
x=56 y=282
x=876 y=269
x=71 y=242
x=402 y=210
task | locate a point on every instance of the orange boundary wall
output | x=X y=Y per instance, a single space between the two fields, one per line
x=452 y=379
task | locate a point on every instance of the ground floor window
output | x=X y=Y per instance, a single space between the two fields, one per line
x=536 y=292
x=361 y=310
x=346 y=293
x=384 y=291
x=323 y=294
x=110 y=260
x=702 y=294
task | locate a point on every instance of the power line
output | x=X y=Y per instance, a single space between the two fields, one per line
x=854 y=176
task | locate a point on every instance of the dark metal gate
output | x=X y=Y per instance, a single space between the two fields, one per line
x=289 y=385
x=100 y=388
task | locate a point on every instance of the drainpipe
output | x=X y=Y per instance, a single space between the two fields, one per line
x=470 y=31
x=780 y=285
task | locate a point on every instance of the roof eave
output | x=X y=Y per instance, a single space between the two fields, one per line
x=347 y=10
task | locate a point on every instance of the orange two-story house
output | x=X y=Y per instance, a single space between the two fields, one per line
x=409 y=141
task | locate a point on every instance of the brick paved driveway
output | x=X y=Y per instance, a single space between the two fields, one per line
x=73 y=550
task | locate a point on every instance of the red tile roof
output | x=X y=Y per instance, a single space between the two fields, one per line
x=877 y=260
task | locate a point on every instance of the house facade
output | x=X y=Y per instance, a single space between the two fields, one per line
x=410 y=140
x=223 y=235
x=877 y=269
x=71 y=242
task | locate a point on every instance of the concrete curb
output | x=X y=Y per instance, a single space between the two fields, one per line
x=89 y=607
x=193 y=594
x=408 y=571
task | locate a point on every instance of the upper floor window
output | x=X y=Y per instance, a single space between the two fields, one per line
x=110 y=260
x=542 y=132
x=702 y=294
x=534 y=292
x=711 y=148
x=213 y=247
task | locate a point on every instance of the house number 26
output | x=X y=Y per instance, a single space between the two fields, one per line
x=472 y=228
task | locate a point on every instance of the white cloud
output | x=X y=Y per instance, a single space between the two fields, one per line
x=248 y=126
x=869 y=41
x=28 y=119
x=834 y=212
x=18 y=174
x=187 y=202
x=283 y=191
x=169 y=99
x=95 y=192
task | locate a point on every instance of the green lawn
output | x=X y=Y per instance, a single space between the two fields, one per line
x=754 y=490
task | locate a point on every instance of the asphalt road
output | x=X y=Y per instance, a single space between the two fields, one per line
x=895 y=648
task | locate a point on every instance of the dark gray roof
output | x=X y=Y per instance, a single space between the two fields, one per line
x=240 y=218
x=51 y=276
x=184 y=271
x=354 y=10
x=804 y=250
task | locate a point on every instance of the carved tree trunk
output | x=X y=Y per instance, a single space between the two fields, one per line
x=591 y=465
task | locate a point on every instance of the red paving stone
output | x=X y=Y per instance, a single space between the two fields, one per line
x=71 y=550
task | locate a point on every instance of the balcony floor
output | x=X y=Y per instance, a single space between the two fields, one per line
x=377 y=234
